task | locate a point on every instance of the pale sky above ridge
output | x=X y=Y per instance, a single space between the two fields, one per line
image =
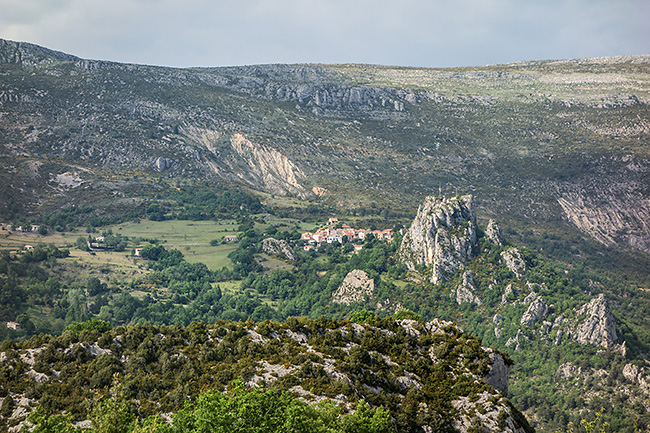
x=426 y=33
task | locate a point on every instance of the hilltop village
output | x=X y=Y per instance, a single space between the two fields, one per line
x=335 y=231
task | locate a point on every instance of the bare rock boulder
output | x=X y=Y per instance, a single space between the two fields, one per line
x=279 y=248
x=493 y=232
x=465 y=291
x=514 y=261
x=355 y=287
x=537 y=310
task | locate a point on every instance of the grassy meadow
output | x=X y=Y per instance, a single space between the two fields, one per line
x=192 y=238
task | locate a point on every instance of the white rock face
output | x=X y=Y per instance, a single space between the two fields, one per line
x=516 y=340
x=280 y=248
x=163 y=163
x=407 y=381
x=616 y=215
x=509 y=290
x=636 y=375
x=465 y=291
x=536 y=310
x=492 y=418
x=267 y=167
x=355 y=287
x=96 y=351
x=442 y=236
x=493 y=232
x=390 y=306
x=514 y=261
x=597 y=327
x=569 y=370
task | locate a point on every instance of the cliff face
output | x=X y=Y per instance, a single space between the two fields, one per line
x=267 y=168
x=442 y=236
x=22 y=53
x=621 y=214
x=597 y=324
x=465 y=291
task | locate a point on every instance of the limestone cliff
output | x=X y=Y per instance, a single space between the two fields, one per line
x=622 y=214
x=442 y=236
x=228 y=155
x=596 y=324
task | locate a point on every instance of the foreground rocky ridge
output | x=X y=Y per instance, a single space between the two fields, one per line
x=431 y=367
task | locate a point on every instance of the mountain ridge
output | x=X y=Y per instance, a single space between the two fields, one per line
x=441 y=102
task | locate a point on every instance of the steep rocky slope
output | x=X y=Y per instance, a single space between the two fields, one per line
x=430 y=375
x=529 y=311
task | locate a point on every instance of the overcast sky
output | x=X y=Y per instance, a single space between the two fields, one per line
x=429 y=33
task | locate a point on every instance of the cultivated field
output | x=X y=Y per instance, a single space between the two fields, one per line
x=192 y=238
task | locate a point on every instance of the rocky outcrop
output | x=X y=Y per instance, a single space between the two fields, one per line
x=637 y=375
x=497 y=319
x=596 y=324
x=465 y=290
x=23 y=53
x=514 y=261
x=482 y=415
x=315 y=88
x=279 y=248
x=493 y=232
x=163 y=163
x=390 y=306
x=537 y=310
x=442 y=236
x=355 y=288
x=516 y=340
x=339 y=353
x=569 y=370
x=509 y=293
